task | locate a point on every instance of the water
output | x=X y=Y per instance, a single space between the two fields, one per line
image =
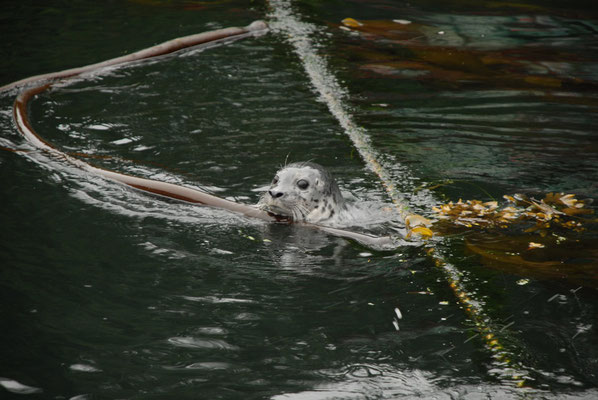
x=109 y=293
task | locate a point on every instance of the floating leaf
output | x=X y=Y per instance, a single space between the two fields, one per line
x=534 y=245
x=414 y=220
x=490 y=204
x=351 y=23
x=577 y=211
x=422 y=231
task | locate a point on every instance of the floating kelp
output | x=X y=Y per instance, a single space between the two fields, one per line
x=547 y=238
x=573 y=259
x=418 y=226
x=554 y=210
x=409 y=50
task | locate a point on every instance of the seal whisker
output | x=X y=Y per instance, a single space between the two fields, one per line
x=302 y=210
x=296 y=216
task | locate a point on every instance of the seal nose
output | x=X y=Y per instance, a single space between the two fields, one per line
x=275 y=195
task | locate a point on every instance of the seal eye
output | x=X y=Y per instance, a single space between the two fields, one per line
x=275 y=180
x=302 y=184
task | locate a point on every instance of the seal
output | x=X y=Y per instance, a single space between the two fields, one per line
x=303 y=192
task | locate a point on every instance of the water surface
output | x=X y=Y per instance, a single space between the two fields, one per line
x=110 y=293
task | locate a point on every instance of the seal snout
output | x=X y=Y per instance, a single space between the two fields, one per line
x=275 y=195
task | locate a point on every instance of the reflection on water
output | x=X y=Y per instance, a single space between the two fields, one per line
x=110 y=293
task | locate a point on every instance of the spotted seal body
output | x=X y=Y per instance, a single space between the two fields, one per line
x=303 y=191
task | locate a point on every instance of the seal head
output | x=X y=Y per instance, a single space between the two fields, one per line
x=303 y=191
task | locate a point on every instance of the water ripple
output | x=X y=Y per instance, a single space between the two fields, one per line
x=16 y=387
x=201 y=343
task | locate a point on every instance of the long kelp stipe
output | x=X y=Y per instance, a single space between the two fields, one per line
x=298 y=34
x=171 y=46
x=40 y=83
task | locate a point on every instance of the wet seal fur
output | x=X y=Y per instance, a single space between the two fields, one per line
x=303 y=192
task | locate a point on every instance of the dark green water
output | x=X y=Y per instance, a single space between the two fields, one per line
x=106 y=293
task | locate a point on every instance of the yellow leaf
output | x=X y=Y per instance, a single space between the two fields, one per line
x=508 y=215
x=422 y=231
x=491 y=204
x=533 y=245
x=414 y=220
x=576 y=211
x=569 y=200
x=478 y=207
x=351 y=23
